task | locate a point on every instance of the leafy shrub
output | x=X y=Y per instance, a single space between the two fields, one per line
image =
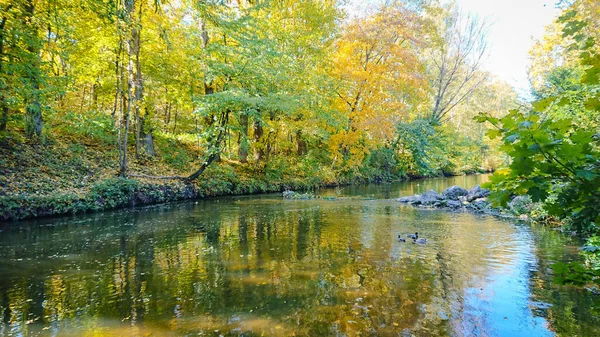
x=520 y=204
x=93 y=125
x=549 y=158
x=113 y=192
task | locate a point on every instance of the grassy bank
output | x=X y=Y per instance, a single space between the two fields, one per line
x=65 y=178
x=75 y=170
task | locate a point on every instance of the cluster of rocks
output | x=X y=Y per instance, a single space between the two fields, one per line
x=454 y=197
x=297 y=196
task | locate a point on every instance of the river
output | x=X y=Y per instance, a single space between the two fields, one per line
x=264 y=266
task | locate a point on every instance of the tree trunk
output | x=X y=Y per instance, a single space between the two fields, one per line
x=135 y=71
x=146 y=139
x=3 y=89
x=33 y=108
x=124 y=133
x=118 y=78
x=259 y=153
x=215 y=146
x=3 y=114
x=243 y=138
x=301 y=146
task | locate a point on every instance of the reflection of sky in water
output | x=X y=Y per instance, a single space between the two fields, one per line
x=499 y=304
x=260 y=265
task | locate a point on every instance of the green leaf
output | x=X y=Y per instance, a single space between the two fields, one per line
x=585 y=174
x=512 y=138
x=494 y=133
x=541 y=105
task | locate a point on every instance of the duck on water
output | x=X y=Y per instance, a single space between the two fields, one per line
x=415 y=237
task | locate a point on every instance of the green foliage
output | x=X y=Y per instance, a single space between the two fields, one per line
x=521 y=205
x=382 y=165
x=549 y=158
x=113 y=192
x=174 y=153
x=93 y=127
x=271 y=88
x=591 y=252
x=427 y=149
x=555 y=159
x=575 y=273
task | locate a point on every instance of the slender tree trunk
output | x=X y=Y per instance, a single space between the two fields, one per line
x=301 y=147
x=136 y=78
x=215 y=146
x=258 y=133
x=243 y=138
x=3 y=113
x=118 y=77
x=33 y=108
x=168 y=114
x=146 y=138
x=175 y=119
x=126 y=112
x=3 y=89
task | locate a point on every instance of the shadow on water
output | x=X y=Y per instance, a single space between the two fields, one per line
x=263 y=266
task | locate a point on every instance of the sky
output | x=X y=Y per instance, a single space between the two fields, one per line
x=515 y=25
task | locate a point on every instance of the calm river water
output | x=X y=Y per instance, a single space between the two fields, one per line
x=263 y=266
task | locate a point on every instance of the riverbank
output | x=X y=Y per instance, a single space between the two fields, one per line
x=118 y=193
x=115 y=193
x=68 y=177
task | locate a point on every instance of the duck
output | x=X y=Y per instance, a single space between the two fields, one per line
x=414 y=236
x=401 y=239
x=420 y=241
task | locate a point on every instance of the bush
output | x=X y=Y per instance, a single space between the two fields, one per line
x=94 y=125
x=521 y=204
x=112 y=193
x=553 y=161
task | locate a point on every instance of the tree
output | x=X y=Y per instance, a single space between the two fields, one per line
x=3 y=78
x=380 y=80
x=457 y=55
x=555 y=159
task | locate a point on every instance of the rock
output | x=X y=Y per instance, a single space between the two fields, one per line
x=429 y=198
x=454 y=192
x=298 y=196
x=287 y=194
x=455 y=198
x=520 y=204
x=409 y=199
x=453 y=203
x=476 y=193
x=479 y=205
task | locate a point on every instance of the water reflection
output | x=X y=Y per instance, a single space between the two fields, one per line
x=262 y=266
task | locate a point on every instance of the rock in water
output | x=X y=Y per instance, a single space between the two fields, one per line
x=479 y=205
x=477 y=192
x=454 y=204
x=429 y=198
x=409 y=199
x=297 y=196
x=287 y=194
x=454 y=192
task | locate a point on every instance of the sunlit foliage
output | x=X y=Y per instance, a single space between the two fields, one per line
x=270 y=91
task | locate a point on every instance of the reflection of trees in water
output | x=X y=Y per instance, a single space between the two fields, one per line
x=306 y=271
x=290 y=267
x=570 y=311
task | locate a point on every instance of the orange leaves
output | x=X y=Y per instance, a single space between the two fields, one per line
x=379 y=80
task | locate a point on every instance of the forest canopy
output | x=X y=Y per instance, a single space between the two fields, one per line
x=288 y=88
